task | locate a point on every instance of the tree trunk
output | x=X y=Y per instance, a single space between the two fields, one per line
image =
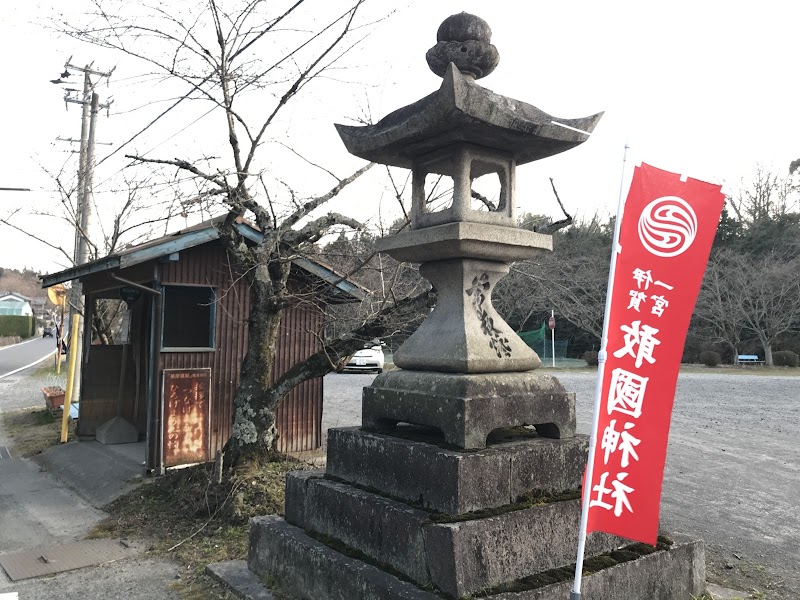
x=768 y=353
x=253 y=433
x=735 y=351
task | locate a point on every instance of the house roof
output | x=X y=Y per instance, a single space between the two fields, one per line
x=15 y=295
x=196 y=235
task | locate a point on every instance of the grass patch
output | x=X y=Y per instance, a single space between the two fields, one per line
x=191 y=518
x=33 y=430
x=46 y=371
x=730 y=570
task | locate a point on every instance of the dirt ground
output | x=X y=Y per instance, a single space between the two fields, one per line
x=732 y=476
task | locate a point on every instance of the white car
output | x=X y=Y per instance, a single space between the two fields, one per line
x=368 y=359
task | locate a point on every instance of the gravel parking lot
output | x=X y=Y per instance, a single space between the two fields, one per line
x=732 y=475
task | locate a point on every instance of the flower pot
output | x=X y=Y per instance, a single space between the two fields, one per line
x=53 y=397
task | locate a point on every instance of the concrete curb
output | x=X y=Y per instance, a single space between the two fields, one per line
x=721 y=593
x=239 y=579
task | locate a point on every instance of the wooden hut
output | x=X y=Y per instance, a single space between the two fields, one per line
x=174 y=371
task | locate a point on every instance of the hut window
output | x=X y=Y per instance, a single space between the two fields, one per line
x=189 y=314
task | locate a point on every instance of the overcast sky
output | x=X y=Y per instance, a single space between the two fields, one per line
x=704 y=88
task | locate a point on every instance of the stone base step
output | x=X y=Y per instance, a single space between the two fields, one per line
x=450 y=481
x=460 y=557
x=311 y=570
x=235 y=575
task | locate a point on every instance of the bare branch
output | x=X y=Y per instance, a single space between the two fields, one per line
x=317 y=229
x=298 y=82
x=313 y=164
x=38 y=239
x=555 y=226
x=486 y=202
x=315 y=203
x=181 y=164
x=272 y=25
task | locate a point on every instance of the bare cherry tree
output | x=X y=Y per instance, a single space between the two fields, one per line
x=718 y=306
x=572 y=279
x=767 y=291
x=751 y=293
x=249 y=60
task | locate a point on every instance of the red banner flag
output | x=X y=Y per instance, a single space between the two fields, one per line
x=666 y=232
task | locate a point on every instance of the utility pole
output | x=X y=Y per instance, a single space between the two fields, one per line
x=75 y=292
x=90 y=105
x=85 y=212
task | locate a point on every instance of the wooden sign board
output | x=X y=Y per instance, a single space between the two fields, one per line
x=186 y=407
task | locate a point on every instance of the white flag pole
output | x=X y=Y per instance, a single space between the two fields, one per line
x=601 y=364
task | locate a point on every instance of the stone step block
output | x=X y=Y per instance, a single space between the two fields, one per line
x=458 y=558
x=467 y=408
x=310 y=570
x=483 y=553
x=389 y=532
x=674 y=574
x=450 y=481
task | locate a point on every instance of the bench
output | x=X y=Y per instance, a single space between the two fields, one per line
x=748 y=359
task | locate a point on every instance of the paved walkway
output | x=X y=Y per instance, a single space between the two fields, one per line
x=42 y=507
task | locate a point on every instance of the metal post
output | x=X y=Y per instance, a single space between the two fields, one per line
x=586 y=492
x=553 y=337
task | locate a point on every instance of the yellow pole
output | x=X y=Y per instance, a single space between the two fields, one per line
x=73 y=353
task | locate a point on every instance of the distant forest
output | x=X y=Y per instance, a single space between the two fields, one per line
x=21 y=282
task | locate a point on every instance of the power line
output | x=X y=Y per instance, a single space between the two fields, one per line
x=157 y=145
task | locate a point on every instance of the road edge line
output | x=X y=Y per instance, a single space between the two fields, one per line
x=33 y=364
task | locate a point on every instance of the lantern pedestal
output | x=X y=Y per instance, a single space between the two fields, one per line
x=465 y=409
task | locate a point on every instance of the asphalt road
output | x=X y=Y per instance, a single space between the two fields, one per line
x=18 y=357
x=17 y=388
x=732 y=475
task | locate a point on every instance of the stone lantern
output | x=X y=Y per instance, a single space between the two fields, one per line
x=463 y=479
x=464 y=349
x=464 y=132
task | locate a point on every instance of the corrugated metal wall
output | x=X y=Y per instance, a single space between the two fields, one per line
x=207 y=265
x=299 y=418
